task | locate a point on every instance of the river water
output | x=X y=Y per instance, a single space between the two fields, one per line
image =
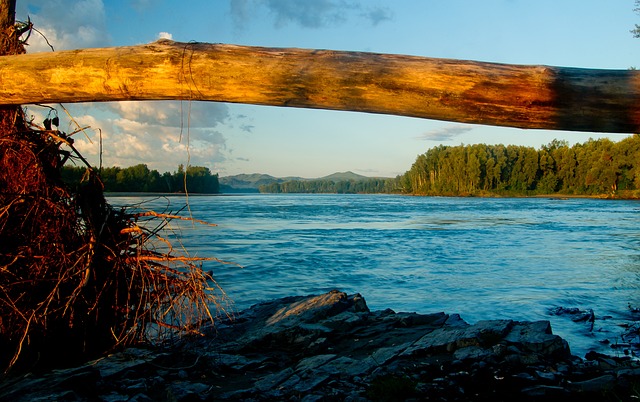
x=484 y=258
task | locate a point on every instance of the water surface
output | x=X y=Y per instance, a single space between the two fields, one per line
x=512 y=258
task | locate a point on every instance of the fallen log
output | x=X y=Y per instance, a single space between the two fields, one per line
x=534 y=97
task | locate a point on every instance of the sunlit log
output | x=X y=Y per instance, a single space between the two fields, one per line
x=541 y=97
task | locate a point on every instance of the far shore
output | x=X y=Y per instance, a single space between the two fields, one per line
x=623 y=196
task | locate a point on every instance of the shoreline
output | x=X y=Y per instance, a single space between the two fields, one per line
x=332 y=347
x=550 y=196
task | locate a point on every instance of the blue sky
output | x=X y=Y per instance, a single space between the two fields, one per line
x=232 y=138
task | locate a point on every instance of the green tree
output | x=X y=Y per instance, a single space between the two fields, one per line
x=566 y=164
x=547 y=181
x=636 y=31
x=139 y=178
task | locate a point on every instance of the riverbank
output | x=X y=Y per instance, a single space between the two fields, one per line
x=620 y=195
x=332 y=347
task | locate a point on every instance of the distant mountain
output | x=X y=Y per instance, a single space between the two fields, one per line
x=345 y=176
x=249 y=183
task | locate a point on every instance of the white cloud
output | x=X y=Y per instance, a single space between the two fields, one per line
x=173 y=113
x=443 y=134
x=65 y=24
x=158 y=134
x=165 y=35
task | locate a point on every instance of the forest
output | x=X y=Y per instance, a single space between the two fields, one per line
x=139 y=178
x=595 y=167
x=598 y=167
x=368 y=186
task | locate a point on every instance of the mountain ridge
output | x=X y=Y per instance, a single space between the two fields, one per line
x=249 y=182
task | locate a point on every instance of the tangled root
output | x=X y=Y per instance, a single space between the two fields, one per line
x=79 y=278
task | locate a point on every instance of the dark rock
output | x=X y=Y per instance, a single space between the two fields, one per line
x=274 y=380
x=546 y=376
x=331 y=347
x=450 y=338
x=138 y=398
x=185 y=391
x=537 y=337
x=542 y=392
x=575 y=314
x=629 y=372
x=595 y=385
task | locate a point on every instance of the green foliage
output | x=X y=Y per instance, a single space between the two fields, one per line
x=636 y=31
x=596 y=167
x=364 y=186
x=139 y=178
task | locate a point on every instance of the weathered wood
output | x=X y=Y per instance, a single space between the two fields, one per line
x=7 y=13
x=9 y=45
x=464 y=91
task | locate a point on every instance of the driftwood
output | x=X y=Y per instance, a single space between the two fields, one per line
x=541 y=97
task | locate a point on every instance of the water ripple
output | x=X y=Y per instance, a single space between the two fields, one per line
x=482 y=258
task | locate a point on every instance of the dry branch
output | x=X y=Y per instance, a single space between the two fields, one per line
x=465 y=91
x=77 y=277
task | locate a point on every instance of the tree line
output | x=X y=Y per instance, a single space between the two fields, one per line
x=366 y=186
x=139 y=178
x=596 y=167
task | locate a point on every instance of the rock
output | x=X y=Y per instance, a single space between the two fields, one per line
x=139 y=398
x=454 y=320
x=543 y=392
x=575 y=314
x=474 y=353
x=312 y=398
x=537 y=337
x=546 y=376
x=450 y=338
x=313 y=309
x=273 y=380
x=332 y=347
x=186 y=391
x=595 y=385
x=629 y=372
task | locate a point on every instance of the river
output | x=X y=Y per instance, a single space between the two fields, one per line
x=484 y=258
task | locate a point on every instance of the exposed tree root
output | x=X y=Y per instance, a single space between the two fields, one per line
x=79 y=278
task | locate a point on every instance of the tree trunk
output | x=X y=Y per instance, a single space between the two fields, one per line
x=7 y=13
x=9 y=45
x=463 y=91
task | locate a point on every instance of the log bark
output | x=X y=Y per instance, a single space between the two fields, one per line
x=7 y=13
x=9 y=45
x=540 y=97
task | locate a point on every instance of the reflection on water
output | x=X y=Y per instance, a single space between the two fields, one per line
x=482 y=258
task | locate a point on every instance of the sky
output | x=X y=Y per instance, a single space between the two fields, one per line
x=231 y=139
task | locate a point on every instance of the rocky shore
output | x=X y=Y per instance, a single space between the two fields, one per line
x=332 y=347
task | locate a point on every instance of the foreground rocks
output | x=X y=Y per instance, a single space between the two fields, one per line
x=331 y=347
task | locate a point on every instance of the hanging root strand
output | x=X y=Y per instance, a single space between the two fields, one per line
x=79 y=278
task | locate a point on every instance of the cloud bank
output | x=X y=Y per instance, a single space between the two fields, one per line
x=309 y=14
x=65 y=24
x=161 y=134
